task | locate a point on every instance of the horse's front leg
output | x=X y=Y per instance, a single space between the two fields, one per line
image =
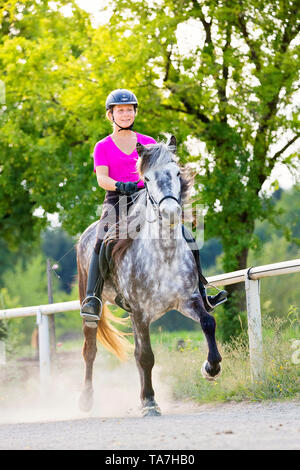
x=194 y=308
x=89 y=354
x=145 y=361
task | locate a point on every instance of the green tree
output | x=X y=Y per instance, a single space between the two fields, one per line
x=5 y=302
x=232 y=91
x=26 y=285
x=50 y=119
x=287 y=222
x=60 y=248
x=279 y=293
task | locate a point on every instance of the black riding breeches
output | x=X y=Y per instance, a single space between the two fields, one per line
x=114 y=206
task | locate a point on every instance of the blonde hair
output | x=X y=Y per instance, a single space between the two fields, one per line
x=107 y=114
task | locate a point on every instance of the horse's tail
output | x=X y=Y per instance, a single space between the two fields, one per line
x=113 y=339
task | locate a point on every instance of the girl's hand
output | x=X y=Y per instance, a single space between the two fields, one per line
x=126 y=188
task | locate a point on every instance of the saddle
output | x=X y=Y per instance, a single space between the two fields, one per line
x=105 y=265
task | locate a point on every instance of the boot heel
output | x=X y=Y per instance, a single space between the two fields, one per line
x=89 y=316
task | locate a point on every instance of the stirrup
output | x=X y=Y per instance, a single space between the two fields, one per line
x=206 y=296
x=91 y=317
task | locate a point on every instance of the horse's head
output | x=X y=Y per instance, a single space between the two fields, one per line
x=158 y=168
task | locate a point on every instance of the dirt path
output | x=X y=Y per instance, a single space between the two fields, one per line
x=238 y=426
x=30 y=420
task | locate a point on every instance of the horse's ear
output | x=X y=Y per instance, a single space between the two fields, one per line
x=172 y=143
x=140 y=149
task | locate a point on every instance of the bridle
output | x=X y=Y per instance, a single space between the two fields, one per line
x=156 y=205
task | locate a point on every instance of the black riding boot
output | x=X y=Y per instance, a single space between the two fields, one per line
x=210 y=301
x=92 y=305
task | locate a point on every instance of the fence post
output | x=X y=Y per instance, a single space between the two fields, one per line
x=51 y=319
x=254 y=327
x=44 y=347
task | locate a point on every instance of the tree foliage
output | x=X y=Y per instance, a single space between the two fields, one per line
x=60 y=248
x=232 y=91
x=50 y=120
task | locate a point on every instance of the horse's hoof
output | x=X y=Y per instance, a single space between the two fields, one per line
x=151 y=411
x=150 y=408
x=86 y=401
x=205 y=371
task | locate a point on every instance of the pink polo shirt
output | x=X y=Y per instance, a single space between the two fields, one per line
x=121 y=166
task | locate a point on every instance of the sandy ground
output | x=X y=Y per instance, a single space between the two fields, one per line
x=50 y=419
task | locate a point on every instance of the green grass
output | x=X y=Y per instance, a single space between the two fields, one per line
x=173 y=340
x=281 y=374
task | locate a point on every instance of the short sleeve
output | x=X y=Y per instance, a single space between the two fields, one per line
x=100 y=157
x=151 y=140
x=146 y=139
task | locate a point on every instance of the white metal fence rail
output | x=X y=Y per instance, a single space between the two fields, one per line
x=251 y=277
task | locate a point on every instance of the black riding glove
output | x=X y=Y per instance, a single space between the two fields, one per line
x=126 y=188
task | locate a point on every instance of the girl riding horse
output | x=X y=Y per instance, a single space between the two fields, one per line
x=115 y=159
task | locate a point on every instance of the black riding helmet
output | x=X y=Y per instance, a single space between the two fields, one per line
x=121 y=96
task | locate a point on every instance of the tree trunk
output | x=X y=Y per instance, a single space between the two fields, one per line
x=239 y=289
x=232 y=320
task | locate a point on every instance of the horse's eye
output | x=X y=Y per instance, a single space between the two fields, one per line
x=178 y=174
x=146 y=179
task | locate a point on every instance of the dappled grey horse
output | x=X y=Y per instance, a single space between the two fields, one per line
x=151 y=272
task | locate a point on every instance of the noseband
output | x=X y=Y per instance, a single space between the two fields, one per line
x=156 y=204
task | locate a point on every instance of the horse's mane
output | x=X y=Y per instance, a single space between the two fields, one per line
x=157 y=155
x=154 y=156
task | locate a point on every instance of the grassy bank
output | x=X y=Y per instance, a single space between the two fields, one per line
x=181 y=366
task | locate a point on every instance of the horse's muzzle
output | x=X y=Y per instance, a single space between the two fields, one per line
x=170 y=212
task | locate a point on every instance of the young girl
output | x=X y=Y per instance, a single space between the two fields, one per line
x=115 y=159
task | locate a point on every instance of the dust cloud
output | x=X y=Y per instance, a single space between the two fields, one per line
x=116 y=390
